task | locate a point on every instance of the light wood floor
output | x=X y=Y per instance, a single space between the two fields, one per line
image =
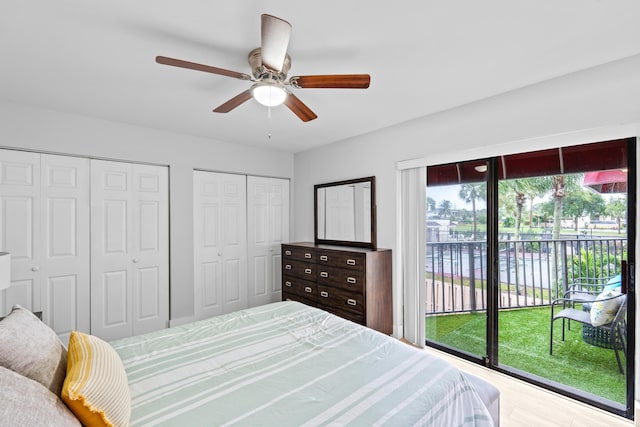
x=525 y=405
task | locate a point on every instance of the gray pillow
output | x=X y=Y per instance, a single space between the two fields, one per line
x=24 y=402
x=32 y=349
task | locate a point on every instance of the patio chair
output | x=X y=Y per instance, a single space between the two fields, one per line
x=617 y=328
x=588 y=288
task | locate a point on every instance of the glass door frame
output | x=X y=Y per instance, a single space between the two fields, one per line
x=491 y=359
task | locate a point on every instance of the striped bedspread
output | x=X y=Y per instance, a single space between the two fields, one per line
x=286 y=364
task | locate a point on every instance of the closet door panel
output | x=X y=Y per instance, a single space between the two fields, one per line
x=151 y=243
x=65 y=263
x=234 y=243
x=258 y=239
x=268 y=226
x=111 y=249
x=20 y=227
x=220 y=241
x=207 y=244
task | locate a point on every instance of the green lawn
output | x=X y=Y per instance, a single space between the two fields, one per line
x=523 y=337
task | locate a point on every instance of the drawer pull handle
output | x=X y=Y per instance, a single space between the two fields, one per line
x=287 y=252
x=287 y=283
x=324 y=294
x=323 y=258
x=307 y=255
x=287 y=266
x=307 y=270
x=324 y=274
x=351 y=280
x=351 y=261
x=351 y=301
x=308 y=289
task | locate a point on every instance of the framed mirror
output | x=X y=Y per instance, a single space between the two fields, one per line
x=345 y=212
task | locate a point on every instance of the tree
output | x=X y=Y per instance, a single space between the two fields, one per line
x=444 y=209
x=513 y=189
x=431 y=204
x=470 y=193
x=532 y=188
x=617 y=208
x=581 y=202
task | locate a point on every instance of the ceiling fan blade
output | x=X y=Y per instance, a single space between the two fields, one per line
x=200 y=67
x=275 y=40
x=332 y=81
x=299 y=108
x=234 y=102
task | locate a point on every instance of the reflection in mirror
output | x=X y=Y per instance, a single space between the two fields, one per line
x=345 y=212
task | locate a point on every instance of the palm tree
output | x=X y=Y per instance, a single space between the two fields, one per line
x=470 y=193
x=444 y=209
x=534 y=187
x=558 y=185
x=514 y=189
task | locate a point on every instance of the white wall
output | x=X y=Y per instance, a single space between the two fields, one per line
x=593 y=105
x=42 y=130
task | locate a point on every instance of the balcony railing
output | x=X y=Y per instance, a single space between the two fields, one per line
x=531 y=272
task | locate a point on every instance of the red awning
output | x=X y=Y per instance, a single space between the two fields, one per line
x=609 y=181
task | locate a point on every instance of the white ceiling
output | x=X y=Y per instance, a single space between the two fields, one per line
x=97 y=58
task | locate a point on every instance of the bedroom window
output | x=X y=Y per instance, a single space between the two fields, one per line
x=510 y=237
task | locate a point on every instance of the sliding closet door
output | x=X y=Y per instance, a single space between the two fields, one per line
x=44 y=224
x=220 y=240
x=151 y=243
x=268 y=228
x=129 y=249
x=65 y=246
x=20 y=227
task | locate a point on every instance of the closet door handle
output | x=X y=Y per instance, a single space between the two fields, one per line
x=34 y=269
x=135 y=260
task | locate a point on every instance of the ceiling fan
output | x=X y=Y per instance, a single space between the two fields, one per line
x=270 y=64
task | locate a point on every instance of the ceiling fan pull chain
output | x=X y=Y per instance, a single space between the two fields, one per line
x=269 y=125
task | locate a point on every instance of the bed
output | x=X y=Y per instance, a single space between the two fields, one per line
x=286 y=364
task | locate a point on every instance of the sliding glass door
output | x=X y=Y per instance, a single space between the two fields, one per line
x=518 y=240
x=456 y=258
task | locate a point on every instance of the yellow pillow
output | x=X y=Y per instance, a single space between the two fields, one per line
x=96 y=388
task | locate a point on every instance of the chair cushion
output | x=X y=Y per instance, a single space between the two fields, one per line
x=614 y=283
x=603 y=310
x=31 y=348
x=96 y=387
x=25 y=402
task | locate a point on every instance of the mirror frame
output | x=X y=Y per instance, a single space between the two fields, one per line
x=372 y=243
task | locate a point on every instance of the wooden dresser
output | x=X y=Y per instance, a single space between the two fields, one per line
x=352 y=283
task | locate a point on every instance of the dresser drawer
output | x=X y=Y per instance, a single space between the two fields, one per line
x=299 y=253
x=299 y=269
x=351 y=260
x=352 y=280
x=293 y=297
x=340 y=299
x=302 y=288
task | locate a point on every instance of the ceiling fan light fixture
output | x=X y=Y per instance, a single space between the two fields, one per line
x=268 y=94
